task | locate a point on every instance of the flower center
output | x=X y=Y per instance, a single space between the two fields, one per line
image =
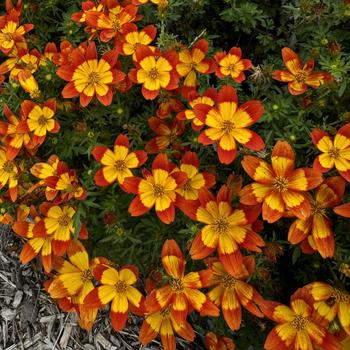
x=7 y=167
x=119 y=165
x=42 y=120
x=317 y=208
x=231 y=67
x=227 y=126
x=221 y=225
x=334 y=152
x=176 y=285
x=338 y=296
x=64 y=220
x=166 y=312
x=158 y=190
x=187 y=185
x=299 y=322
x=121 y=287
x=281 y=184
x=7 y=36
x=153 y=74
x=228 y=282
x=93 y=78
x=301 y=76
x=86 y=275
x=116 y=25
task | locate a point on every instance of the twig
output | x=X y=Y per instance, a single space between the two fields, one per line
x=60 y=332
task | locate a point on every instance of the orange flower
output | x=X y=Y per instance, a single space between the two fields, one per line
x=231 y=291
x=157 y=188
x=297 y=328
x=215 y=342
x=167 y=135
x=28 y=83
x=132 y=38
x=195 y=99
x=193 y=62
x=232 y=64
x=335 y=153
x=15 y=134
x=164 y=323
x=154 y=71
x=299 y=77
x=87 y=7
x=331 y=302
x=11 y=33
x=227 y=124
x=182 y=291
x=327 y=195
x=75 y=280
x=279 y=187
x=88 y=76
x=111 y=22
x=117 y=287
x=168 y=103
x=39 y=120
x=225 y=229
x=8 y=175
x=117 y=163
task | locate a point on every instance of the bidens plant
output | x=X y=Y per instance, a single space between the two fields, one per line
x=206 y=174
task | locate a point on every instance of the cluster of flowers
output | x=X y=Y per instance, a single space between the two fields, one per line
x=278 y=189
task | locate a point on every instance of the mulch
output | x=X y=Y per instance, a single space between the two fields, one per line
x=30 y=320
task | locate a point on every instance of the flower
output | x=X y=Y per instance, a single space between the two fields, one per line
x=28 y=83
x=117 y=163
x=331 y=302
x=335 y=153
x=8 y=175
x=75 y=280
x=164 y=324
x=87 y=76
x=297 y=327
x=132 y=38
x=192 y=62
x=116 y=287
x=227 y=124
x=39 y=120
x=231 y=291
x=167 y=135
x=225 y=229
x=154 y=71
x=182 y=291
x=167 y=103
x=232 y=64
x=299 y=77
x=327 y=195
x=279 y=187
x=215 y=342
x=157 y=188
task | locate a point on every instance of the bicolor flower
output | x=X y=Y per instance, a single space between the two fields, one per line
x=167 y=135
x=154 y=71
x=28 y=83
x=335 y=152
x=116 y=164
x=182 y=291
x=297 y=327
x=195 y=99
x=279 y=187
x=299 y=77
x=164 y=323
x=57 y=223
x=8 y=175
x=227 y=124
x=157 y=188
x=88 y=76
x=116 y=287
x=168 y=102
x=132 y=38
x=331 y=302
x=75 y=280
x=230 y=292
x=14 y=136
x=315 y=233
x=226 y=230
x=39 y=119
x=232 y=64
x=215 y=342
x=192 y=62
